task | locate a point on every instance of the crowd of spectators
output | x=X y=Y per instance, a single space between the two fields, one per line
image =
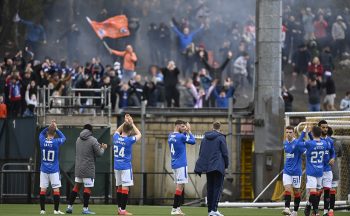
x=316 y=39
x=184 y=68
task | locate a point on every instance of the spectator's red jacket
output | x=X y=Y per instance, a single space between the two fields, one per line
x=3 y=111
x=316 y=69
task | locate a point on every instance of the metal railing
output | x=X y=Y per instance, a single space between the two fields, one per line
x=16 y=180
x=98 y=102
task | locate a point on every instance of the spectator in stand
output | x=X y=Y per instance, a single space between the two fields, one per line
x=222 y=96
x=307 y=19
x=326 y=59
x=129 y=62
x=315 y=69
x=115 y=82
x=15 y=96
x=72 y=34
x=150 y=93
x=185 y=40
x=164 y=43
x=329 y=85
x=345 y=102
x=338 y=34
x=124 y=93
x=3 y=108
x=314 y=91
x=321 y=26
x=136 y=91
x=288 y=100
x=152 y=35
x=157 y=78
x=300 y=61
x=31 y=103
x=35 y=35
x=240 y=72
x=2 y=82
x=294 y=35
x=171 y=79
x=216 y=70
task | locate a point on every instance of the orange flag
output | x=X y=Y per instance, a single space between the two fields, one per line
x=114 y=27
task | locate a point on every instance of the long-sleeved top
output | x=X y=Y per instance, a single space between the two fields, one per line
x=185 y=40
x=320 y=28
x=240 y=66
x=213 y=153
x=35 y=32
x=345 y=104
x=50 y=151
x=216 y=73
x=87 y=149
x=170 y=77
x=222 y=102
x=129 y=59
x=301 y=60
x=314 y=93
x=338 y=31
x=3 y=110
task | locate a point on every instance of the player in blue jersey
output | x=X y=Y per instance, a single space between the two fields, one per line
x=177 y=143
x=329 y=159
x=315 y=152
x=292 y=169
x=123 y=142
x=49 y=168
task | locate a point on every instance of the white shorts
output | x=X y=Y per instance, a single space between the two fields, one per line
x=329 y=99
x=295 y=181
x=335 y=184
x=313 y=182
x=50 y=178
x=180 y=175
x=88 y=182
x=123 y=178
x=327 y=179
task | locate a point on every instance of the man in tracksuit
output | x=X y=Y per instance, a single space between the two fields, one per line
x=213 y=160
x=87 y=149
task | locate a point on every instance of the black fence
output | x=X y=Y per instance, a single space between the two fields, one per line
x=22 y=186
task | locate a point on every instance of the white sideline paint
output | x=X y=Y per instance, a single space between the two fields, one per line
x=270 y=204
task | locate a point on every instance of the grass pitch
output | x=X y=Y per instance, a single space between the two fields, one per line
x=103 y=210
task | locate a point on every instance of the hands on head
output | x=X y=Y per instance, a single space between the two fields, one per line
x=53 y=124
x=128 y=119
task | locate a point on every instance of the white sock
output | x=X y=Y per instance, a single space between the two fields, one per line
x=325 y=211
x=85 y=209
x=70 y=206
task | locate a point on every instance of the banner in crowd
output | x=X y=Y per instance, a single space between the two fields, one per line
x=114 y=27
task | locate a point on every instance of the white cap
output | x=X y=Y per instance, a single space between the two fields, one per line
x=339 y=17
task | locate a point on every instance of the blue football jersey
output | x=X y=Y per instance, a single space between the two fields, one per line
x=315 y=152
x=123 y=151
x=177 y=144
x=293 y=152
x=50 y=151
x=329 y=154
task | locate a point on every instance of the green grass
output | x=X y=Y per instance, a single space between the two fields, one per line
x=16 y=209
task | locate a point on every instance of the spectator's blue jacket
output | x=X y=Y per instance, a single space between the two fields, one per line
x=35 y=32
x=222 y=102
x=213 y=154
x=185 y=40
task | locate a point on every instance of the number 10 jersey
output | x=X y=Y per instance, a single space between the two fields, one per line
x=49 y=151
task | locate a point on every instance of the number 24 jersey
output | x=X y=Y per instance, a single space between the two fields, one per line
x=122 y=151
